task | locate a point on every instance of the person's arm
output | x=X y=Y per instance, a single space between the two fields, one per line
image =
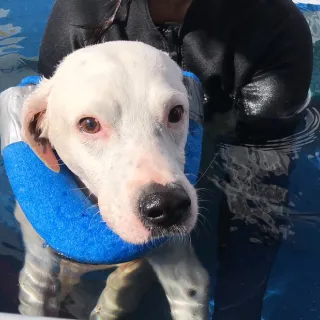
x=280 y=84
x=66 y=30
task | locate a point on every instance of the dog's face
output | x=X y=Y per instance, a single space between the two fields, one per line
x=117 y=114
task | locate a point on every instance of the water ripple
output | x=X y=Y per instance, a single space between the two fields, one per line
x=306 y=134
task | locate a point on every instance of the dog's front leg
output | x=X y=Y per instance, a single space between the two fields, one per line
x=185 y=281
x=38 y=279
x=124 y=288
x=39 y=284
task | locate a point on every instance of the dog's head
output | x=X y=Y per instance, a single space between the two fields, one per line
x=117 y=114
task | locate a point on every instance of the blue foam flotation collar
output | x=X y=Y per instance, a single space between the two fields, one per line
x=62 y=215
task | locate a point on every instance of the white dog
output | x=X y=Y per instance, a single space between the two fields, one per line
x=117 y=114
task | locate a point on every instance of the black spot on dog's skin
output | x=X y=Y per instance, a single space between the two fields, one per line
x=191 y=293
x=157 y=132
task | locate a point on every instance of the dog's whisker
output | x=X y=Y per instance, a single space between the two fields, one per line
x=88 y=197
x=202 y=216
x=98 y=212
x=204 y=226
x=76 y=189
x=204 y=208
x=204 y=190
x=61 y=164
x=205 y=172
x=205 y=223
x=90 y=207
x=202 y=197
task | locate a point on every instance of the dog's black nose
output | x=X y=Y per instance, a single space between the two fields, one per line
x=164 y=206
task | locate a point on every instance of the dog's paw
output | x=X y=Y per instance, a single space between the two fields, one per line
x=184 y=280
x=189 y=299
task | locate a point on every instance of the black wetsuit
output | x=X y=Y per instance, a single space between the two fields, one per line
x=253 y=55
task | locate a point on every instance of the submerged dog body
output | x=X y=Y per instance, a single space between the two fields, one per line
x=117 y=115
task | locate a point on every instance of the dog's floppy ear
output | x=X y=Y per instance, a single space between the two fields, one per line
x=34 y=124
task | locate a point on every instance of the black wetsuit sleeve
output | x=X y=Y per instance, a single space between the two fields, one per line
x=65 y=30
x=280 y=82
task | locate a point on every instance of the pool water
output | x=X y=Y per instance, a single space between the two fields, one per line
x=259 y=230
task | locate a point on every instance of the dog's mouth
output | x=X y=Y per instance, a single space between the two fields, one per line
x=177 y=225
x=176 y=229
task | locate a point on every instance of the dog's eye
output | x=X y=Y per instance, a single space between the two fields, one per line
x=89 y=125
x=175 y=114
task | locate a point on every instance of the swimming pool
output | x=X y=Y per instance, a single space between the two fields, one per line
x=262 y=254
